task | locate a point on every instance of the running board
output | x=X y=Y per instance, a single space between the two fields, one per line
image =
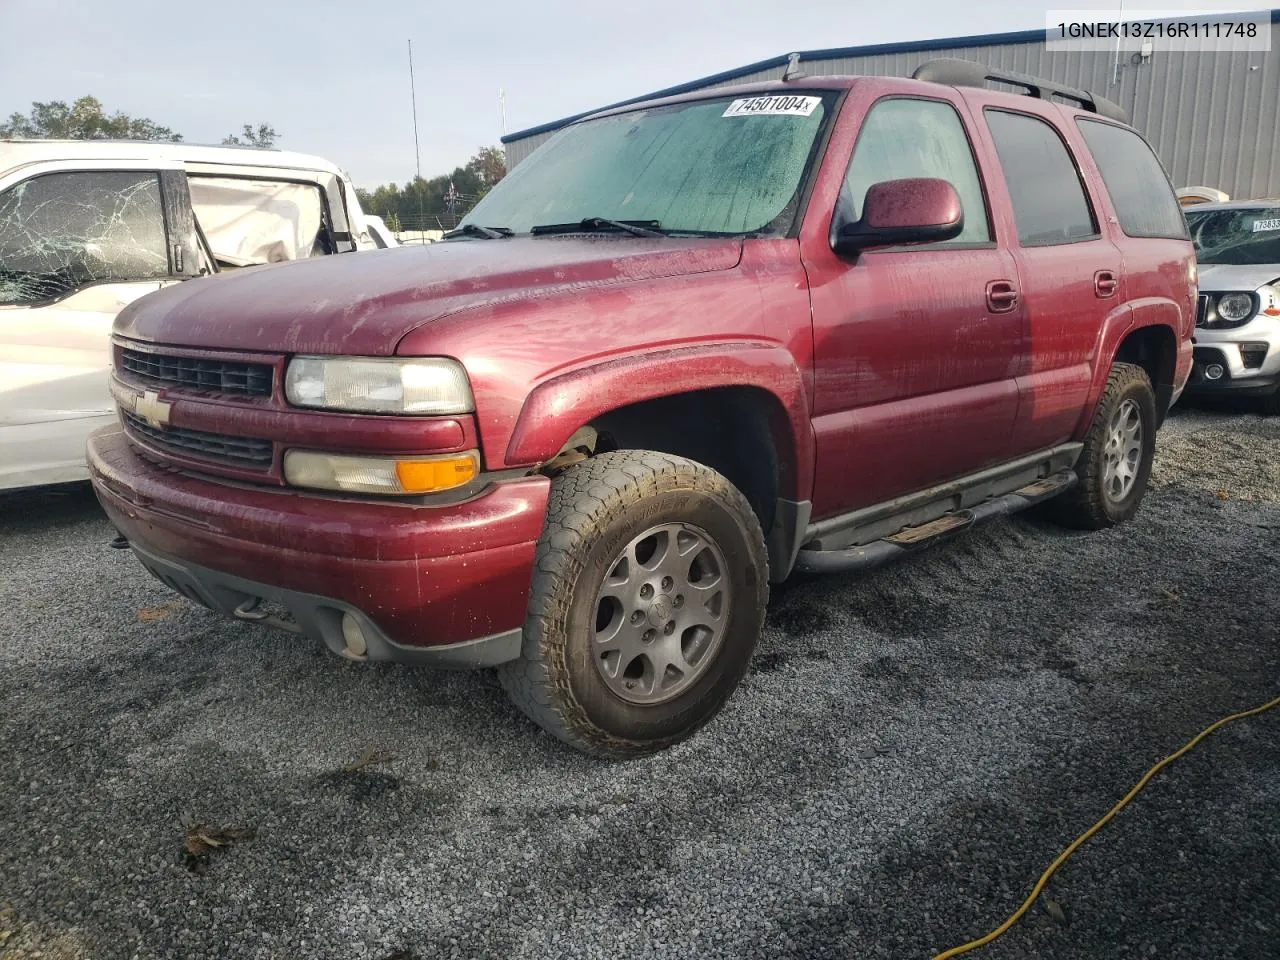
x=948 y=525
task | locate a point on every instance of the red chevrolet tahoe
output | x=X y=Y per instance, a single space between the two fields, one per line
x=687 y=347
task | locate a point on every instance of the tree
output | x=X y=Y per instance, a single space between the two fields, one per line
x=490 y=165
x=83 y=120
x=423 y=204
x=264 y=136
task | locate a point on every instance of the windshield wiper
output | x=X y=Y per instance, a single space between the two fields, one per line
x=475 y=230
x=638 y=228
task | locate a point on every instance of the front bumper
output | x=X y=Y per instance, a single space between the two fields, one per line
x=1223 y=347
x=445 y=584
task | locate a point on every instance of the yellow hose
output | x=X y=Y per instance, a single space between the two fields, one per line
x=1078 y=841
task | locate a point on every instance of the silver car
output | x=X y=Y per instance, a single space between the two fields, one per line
x=1237 y=341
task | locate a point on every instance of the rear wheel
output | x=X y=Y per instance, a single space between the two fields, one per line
x=647 y=603
x=1115 y=464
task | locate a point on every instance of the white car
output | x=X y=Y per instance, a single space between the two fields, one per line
x=87 y=227
x=1237 y=342
x=379 y=232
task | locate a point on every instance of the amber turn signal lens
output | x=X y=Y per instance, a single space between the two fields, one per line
x=443 y=473
x=399 y=476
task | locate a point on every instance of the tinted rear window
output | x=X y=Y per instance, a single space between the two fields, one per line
x=1049 y=204
x=1139 y=188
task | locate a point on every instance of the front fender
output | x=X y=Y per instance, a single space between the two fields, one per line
x=559 y=406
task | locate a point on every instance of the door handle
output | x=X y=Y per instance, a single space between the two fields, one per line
x=1002 y=296
x=1105 y=284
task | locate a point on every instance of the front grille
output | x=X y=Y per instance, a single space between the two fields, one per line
x=212 y=376
x=1202 y=309
x=217 y=447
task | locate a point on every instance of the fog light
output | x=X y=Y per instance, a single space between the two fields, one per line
x=353 y=633
x=1213 y=371
x=1252 y=354
x=399 y=476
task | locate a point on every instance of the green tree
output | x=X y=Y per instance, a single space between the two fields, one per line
x=263 y=136
x=490 y=165
x=423 y=204
x=83 y=120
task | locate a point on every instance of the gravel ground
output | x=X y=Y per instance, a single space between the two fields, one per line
x=912 y=748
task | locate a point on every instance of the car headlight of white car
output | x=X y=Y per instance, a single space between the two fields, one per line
x=420 y=386
x=1234 y=307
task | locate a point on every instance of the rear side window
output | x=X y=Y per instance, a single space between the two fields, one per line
x=903 y=138
x=63 y=231
x=250 y=222
x=1138 y=186
x=1049 y=204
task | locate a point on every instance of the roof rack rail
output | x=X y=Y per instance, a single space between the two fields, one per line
x=970 y=73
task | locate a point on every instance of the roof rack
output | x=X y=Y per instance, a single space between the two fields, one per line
x=970 y=73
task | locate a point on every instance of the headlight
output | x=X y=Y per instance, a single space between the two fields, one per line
x=1235 y=307
x=398 y=476
x=359 y=385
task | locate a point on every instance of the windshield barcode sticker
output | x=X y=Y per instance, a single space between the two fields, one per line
x=790 y=106
x=1261 y=225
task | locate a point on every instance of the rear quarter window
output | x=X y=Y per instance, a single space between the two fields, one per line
x=1136 y=182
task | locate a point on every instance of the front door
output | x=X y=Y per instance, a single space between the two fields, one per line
x=76 y=246
x=916 y=349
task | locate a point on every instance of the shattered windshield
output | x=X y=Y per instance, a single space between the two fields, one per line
x=1245 y=237
x=61 y=231
x=723 y=166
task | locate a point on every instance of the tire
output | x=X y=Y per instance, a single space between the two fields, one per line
x=1269 y=405
x=611 y=516
x=1101 y=500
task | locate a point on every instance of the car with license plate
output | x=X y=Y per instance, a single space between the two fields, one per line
x=1237 y=343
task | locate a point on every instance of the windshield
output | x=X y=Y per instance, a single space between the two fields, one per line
x=1247 y=237
x=723 y=166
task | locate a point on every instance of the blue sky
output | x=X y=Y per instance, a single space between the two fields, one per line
x=332 y=75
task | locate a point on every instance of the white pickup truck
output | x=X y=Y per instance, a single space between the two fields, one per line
x=87 y=227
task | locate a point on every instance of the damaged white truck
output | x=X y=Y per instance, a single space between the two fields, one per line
x=87 y=227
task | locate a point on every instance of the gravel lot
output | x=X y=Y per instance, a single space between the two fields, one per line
x=912 y=749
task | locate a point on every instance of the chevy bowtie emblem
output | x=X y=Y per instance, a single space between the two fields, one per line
x=152 y=409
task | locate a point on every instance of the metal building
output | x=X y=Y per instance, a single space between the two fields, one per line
x=1213 y=117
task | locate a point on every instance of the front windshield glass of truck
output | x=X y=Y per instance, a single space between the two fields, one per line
x=1246 y=237
x=732 y=165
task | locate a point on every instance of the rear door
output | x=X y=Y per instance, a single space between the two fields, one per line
x=916 y=348
x=1069 y=273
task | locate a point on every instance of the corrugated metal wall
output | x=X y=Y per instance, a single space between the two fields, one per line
x=1214 y=118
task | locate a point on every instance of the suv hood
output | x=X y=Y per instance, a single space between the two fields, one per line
x=364 y=303
x=1225 y=277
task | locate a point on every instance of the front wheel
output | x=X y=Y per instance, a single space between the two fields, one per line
x=648 y=599
x=1115 y=464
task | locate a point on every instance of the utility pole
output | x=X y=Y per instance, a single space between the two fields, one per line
x=502 y=108
x=417 y=150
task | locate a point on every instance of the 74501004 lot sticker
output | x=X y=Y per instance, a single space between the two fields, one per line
x=787 y=105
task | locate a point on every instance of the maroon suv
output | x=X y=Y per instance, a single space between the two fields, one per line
x=685 y=348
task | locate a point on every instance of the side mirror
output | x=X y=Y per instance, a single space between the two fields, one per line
x=912 y=210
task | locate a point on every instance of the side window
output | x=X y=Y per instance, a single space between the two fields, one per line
x=63 y=231
x=248 y=222
x=1138 y=186
x=903 y=138
x=1049 y=204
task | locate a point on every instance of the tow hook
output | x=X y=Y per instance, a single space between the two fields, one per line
x=121 y=542
x=251 y=611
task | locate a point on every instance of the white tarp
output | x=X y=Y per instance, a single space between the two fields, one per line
x=257 y=221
